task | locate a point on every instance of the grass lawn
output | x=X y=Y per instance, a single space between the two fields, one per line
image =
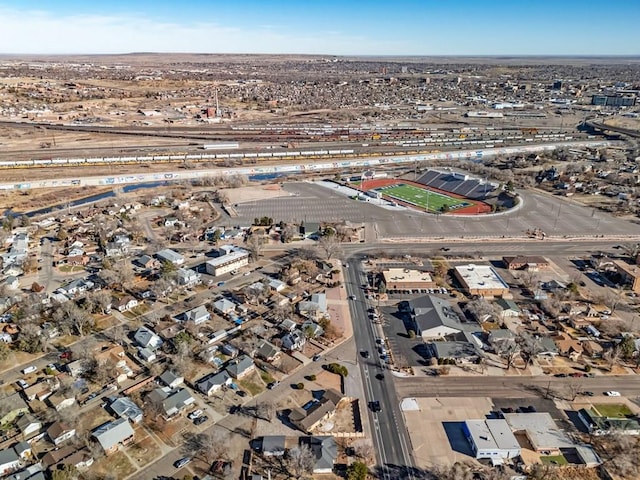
x=422 y=197
x=554 y=459
x=266 y=378
x=252 y=384
x=613 y=410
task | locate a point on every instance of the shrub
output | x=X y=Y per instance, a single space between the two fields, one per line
x=587 y=368
x=357 y=471
x=412 y=334
x=312 y=378
x=338 y=369
x=300 y=386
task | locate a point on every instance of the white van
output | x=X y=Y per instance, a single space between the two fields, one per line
x=29 y=369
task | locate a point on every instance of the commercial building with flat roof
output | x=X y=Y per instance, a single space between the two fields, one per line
x=630 y=274
x=540 y=429
x=481 y=280
x=407 y=279
x=230 y=259
x=491 y=438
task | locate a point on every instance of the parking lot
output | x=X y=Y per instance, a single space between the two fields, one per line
x=434 y=426
x=555 y=216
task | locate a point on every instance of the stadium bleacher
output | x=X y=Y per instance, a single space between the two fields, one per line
x=459 y=183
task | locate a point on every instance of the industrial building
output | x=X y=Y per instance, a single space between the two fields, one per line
x=398 y=279
x=481 y=280
x=491 y=438
x=613 y=100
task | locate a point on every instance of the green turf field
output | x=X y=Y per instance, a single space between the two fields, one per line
x=421 y=197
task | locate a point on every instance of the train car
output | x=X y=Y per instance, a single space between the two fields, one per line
x=221 y=146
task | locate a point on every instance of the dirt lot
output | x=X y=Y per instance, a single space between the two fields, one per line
x=434 y=426
x=253 y=193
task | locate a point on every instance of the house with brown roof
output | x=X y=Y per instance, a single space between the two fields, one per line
x=59 y=432
x=568 y=346
x=321 y=410
x=526 y=262
x=592 y=349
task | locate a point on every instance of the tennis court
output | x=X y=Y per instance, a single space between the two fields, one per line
x=422 y=198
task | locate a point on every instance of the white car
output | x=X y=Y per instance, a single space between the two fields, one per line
x=195 y=414
x=612 y=393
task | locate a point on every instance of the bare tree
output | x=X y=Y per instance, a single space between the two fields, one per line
x=481 y=309
x=266 y=411
x=574 y=388
x=631 y=249
x=508 y=351
x=529 y=279
x=254 y=244
x=530 y=347
x=364 y=450
x=330 y=245
x=72 y=318
x=457 y=471
x=300 y=461
x=209 y=447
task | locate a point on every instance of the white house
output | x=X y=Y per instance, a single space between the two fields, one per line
x=198 y=315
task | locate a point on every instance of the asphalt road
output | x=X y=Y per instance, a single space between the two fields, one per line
x=388 y=431
x=512 y=386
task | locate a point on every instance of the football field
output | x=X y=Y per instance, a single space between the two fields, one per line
x=423 y=198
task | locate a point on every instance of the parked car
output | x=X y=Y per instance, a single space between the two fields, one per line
x=182 y=462
x=200 y=420
x=316 y=357
x=195 y=414
x=273 y=385
x=22 y=383
x=241 y=393
x=612 y=393
x=29 y=369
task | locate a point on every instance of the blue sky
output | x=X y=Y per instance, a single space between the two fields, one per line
x=347 y=27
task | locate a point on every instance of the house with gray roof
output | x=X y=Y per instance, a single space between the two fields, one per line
x=171 y=379
x=325 y=451
x=146 y=338
x=124 y=407
x=9 y=461
x=224 y=306
x=198 y=315
x=267 y=351
x=294 y=340
x=434 y=317
x=12 y=406
x=214 y=382
x=188 y=277
x=171 y=256
x=241 y=366
x=314 y=308
x=171 y=401
x=273 y=445
x=112 y=435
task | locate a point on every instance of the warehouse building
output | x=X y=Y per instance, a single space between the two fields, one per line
x=491 y=438
x=481 y=280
